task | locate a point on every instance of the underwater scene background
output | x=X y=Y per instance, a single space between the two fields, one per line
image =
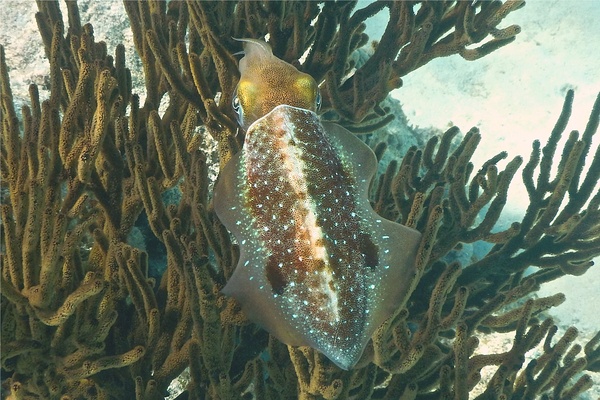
x=513 y=95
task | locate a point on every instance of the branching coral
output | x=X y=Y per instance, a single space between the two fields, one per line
x=81 y=318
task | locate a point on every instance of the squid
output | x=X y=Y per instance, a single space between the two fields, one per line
x=318 y=266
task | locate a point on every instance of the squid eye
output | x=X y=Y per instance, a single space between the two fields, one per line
x=318 y=100
x=237 y=107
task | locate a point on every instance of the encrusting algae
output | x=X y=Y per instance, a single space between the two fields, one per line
x=83 y=319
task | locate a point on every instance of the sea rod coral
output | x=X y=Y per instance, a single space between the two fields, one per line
x=82 y=317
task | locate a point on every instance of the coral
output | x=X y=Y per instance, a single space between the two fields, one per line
x=81 y=318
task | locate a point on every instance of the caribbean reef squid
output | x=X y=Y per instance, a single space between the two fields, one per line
x=318 y=267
